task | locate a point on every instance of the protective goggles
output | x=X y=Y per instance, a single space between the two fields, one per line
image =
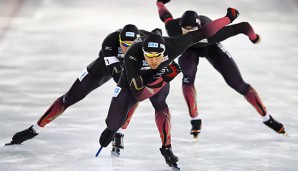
x=153 y=55
x=125 y=44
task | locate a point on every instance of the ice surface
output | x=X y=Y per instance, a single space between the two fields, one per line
x=45 y=44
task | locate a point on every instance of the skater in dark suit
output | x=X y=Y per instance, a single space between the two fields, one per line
x=218 y=57
x=148 y=69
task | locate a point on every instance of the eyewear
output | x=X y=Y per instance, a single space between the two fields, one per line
x=153 y=55
x=125 y=44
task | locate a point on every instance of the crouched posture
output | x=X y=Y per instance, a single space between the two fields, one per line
x=218 y=57
x=148 y=68
x=108 y=65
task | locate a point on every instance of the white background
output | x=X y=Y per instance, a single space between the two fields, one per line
x=45 y=44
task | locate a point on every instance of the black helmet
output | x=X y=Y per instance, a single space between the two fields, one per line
x=129 y=33
x=190 y=18
x=154 y=43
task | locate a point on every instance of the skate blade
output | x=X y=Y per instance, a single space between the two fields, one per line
x=286 y=134
x=196 y=138
x=174 y=166
x=115 y=152
x=10 y=144
x=283 y=132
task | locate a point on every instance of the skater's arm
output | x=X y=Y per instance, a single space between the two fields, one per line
x=154 y=84
x=110 y=52
x=164 y=13
x=177 y=45
x=233 y=30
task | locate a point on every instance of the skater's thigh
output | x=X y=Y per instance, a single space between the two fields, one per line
x=159 y=99
x=122 y=101
x=188 y=62
x=222 y=61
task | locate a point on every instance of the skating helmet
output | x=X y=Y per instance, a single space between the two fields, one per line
x=190 y=18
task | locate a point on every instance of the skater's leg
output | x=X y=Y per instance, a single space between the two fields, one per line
x=87 y=81
x=118 y=143
x=162 y=115
x=119 y=107
x=78 y=91
x=163 y=123
x=189 y=61
x=129 y=116
x=224 y=63
x=57 y=108
x=253 y=98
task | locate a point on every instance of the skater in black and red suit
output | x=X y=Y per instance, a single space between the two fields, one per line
x=217 y=56
x=148 y=69
x=108 y=65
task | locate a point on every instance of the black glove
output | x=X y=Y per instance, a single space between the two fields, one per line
x=164 y=1
x=157 y=31
x=256 y=40
x=106 y=137
x=171 y=71
x=232 y=13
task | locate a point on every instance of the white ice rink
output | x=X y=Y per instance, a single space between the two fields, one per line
x=45 y=44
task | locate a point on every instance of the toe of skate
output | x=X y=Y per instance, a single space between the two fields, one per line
x=11 y=143
x=286 y=134
x=195 y=138
x=174 y=166
x=115 y=152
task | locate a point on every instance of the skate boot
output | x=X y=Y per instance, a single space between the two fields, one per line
x=117 y=144
x=170 y=158
x=275 y=125
x=22 y=136
x=196 y=127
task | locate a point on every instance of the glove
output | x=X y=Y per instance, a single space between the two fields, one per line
x=171 y=71
x=256 y=40
x=157 y=31
x=106 y=137
x=164 y=1
x=232 y=13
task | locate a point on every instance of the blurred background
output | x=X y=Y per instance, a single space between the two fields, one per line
x=45 y=44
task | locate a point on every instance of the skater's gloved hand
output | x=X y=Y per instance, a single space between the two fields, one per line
x=157 y=31
x=171 y=71
x=106 y=137
x=155 y=76
x=232 y=13
x=256 y=40
x=164 y=1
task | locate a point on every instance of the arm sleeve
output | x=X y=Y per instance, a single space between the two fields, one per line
x=209 y=29
x=110 y=52
x=232 y=30
x=164 y=13
x=177 y=45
